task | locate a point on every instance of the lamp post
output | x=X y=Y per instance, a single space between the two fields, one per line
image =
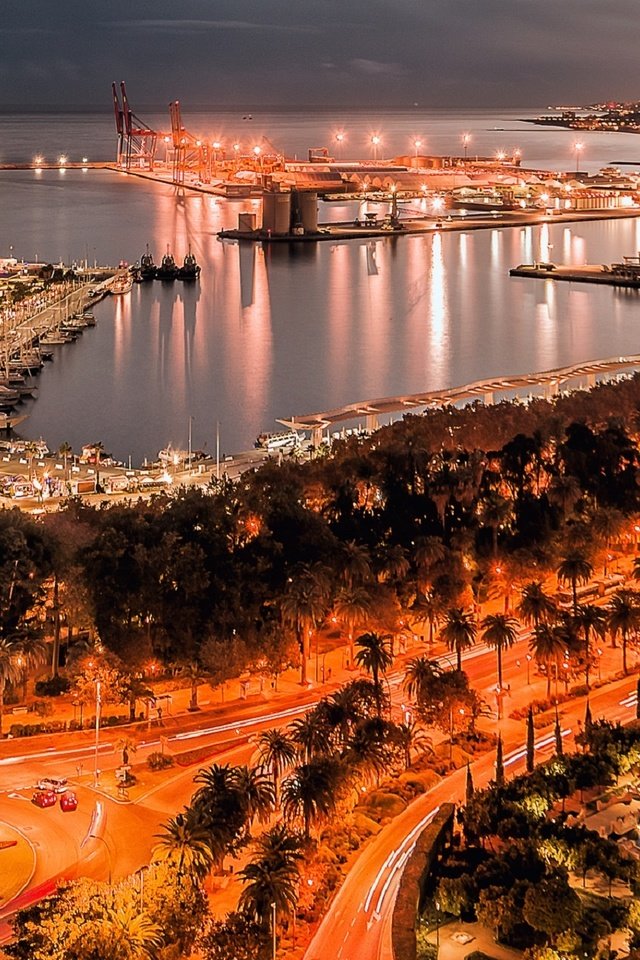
x=417 y=144
x=528 y=669
x=437 y=927
x=339 y=142
x=96 y=772
x=273 y=931
x=375 y=143
x=578 y=147
x=466 y=139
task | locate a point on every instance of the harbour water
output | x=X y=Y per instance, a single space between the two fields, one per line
x=293 y=329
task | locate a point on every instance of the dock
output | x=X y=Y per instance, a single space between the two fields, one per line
x=624 y=274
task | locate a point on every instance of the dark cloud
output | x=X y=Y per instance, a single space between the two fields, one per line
x=333 y=52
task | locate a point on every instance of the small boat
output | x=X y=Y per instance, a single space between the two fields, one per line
x=279 y=441
x=168 y=269
x=148 y=268
x=190 y=269
x=121 y=285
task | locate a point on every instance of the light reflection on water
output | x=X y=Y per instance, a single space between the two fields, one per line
x=289 y=330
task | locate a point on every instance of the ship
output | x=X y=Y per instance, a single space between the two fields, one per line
x=190 y=269
x=148 y=269
x=168 y=269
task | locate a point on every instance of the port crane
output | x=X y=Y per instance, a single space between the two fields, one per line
x=189 y=152
x=136 y=139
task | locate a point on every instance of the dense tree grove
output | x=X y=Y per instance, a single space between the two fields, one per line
x=426 y=518
x=523 y=868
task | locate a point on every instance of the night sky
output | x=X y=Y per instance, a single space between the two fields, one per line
x=436 y=53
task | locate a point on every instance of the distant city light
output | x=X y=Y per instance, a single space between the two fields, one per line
x=38 y=160
x=62 y=160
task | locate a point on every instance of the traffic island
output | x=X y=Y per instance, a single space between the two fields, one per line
x=17 y=863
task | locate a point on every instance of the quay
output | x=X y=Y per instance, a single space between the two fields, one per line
x=625 y=274
x=368 y=413
x=422 y=225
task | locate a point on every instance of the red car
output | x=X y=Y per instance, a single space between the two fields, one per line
x=44 y=798
x=68 y=802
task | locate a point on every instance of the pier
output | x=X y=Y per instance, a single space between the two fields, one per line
x=552 y=382
x=625 y=274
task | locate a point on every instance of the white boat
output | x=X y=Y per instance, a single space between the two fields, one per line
x=290 y=440
x=121 y=285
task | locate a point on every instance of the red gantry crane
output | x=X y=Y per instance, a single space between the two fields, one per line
x=136 y=140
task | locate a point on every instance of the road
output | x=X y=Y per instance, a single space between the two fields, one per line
x=128 y=829
x=358 y=924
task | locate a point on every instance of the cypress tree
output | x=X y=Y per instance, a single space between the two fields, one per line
x=499 y=763
x=531 y=742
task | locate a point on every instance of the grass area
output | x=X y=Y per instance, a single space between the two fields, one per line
x=145 y=780
x=17 y=863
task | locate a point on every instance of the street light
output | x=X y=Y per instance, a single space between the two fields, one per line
x=339 y=142
x=528 y=666
x=578 y=147
x=96 y=772
x=466 y=140
x=437 y=927
x=273 y=931
x=375 y=143
x=417 y=144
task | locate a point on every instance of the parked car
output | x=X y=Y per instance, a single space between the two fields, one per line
x=44 y=798
x=55 y=784
x=68 y=802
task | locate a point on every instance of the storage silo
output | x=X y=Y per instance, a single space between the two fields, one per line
x=276 y=213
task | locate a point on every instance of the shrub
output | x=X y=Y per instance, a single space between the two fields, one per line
x=53 y=687
x=42 y=708
x=159 y=761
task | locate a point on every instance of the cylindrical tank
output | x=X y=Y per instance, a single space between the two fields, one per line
x=276 y=213
x=308 y=206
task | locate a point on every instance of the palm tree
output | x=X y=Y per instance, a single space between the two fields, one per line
x=310 y=792
x=31 y=652
x=575 y=569
x=277 y=751
x=353 y=607
x=193 y=673
x=590 y=619
x=302 y=607
x=256 y=793
x=186 y=844
x=354 y=563
x=409 y=736
x=392 y=563
x=311 y=734
x=535 y=605
x=428 y=552
x=419 y=676
x=427 y=608
x=10 y=669
x=369 y=750
x=624 y=618
x=564 y=491
x=500 y=631
x=375 y=655
x=458 y=632
x=267 y=885
x=548 y=647
x=127 y=932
